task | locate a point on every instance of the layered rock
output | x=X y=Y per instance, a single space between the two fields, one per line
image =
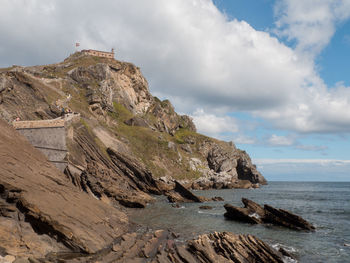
x=112 y=174
x=167 y=119
x=42 y=211
x=180 y=194
x=115 y=93
x=162 y=247
x=255 y=214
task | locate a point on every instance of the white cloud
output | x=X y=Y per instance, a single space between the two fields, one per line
x=189 y=53
x=243 y=139
x=276 y=140
x=213 y=125
x=311 y=22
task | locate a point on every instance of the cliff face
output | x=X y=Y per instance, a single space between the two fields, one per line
x=118 y=110
x=41 y=211
x=124 y=146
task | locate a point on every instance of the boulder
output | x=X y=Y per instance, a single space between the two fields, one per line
x=137 y=121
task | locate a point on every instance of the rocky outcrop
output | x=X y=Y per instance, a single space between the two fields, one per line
x=246 y=170
x=179 y=194
x=137 y=121
x=117 y=81
x=115 y=93
x=41 y=211
x=114 y=175
x=255 y=214
x=225 y=167
x=23 y=96
x=167 y=120
x=161 y=247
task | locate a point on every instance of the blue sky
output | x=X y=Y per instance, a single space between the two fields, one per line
x=333 y=65
x=272 y=76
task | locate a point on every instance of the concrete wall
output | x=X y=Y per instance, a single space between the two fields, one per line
x=49 y=140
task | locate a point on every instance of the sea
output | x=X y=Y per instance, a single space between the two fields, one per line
x=324 y=204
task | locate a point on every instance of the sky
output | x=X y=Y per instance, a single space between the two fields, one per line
x=271 y=76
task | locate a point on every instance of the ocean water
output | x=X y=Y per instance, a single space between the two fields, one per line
x=326 y=205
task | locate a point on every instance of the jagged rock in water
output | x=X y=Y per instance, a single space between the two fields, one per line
x=255 y=214
x=180 y=194
x=285 y=218
x=206 y=207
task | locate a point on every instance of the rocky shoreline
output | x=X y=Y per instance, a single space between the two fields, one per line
x=124 y=146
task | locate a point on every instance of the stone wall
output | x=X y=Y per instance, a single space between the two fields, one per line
x=98 y=53
x=49 y=137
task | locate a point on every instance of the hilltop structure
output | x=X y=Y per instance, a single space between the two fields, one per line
x=98 y=53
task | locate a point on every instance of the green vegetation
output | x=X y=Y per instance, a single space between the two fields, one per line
x=189 y=175
x=120 y=112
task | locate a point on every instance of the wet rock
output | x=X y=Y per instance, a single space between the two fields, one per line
x=285 y=218
x=240 y=214
x=286 y=253
x=217 y=199
x=180 y=194
x=206 y=207
x=255 y=214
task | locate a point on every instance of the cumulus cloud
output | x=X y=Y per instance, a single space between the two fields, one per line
x=190 y=53
x=213 y=125
x=311 y=23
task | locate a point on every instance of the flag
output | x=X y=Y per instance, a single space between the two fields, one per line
x=77 y=44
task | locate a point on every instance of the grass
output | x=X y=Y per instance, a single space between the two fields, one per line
x=120 y=113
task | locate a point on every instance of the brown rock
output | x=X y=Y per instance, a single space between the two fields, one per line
x=210 y=248
x=217 y=199
x=49 y=209
x=240 y=214
x=137 y=121
x=180 y=194
x=285 y=218
x=255 y=214
x=206 y=207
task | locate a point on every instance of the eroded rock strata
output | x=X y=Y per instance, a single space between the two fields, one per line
x=41 y=211
x=117 y=109
x=124 y=145
x=161 y=247
x=255 y=214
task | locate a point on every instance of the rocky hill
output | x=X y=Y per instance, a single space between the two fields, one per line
x=118 y=111
x=125 y=146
